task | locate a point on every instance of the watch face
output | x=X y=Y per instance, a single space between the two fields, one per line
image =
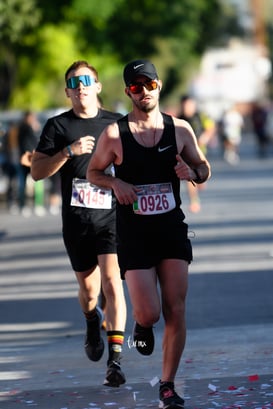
x=69 y=150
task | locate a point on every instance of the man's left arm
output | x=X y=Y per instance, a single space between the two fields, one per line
x=193 y=164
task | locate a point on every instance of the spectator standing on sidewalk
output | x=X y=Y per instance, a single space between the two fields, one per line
x=11 y=166
x=27 y=141
x=231 y=126
x=21 y=139
x=204 y=129
x=260 y=119
x=152 y=152
x=88 y=214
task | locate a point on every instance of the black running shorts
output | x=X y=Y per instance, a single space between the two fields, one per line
x=145 y=250
x=85 y=241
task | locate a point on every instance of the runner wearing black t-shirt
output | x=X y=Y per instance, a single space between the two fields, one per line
x=88 y=213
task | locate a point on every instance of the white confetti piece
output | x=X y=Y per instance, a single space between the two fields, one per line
x=212 y=387
x=265 y=385
x=154 y=381
x=135 y=395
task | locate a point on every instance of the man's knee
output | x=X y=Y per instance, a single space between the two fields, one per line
x=147 y=318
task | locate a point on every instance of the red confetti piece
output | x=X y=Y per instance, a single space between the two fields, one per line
x=253 y=378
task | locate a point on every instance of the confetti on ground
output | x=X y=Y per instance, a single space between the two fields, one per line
x=154 y=381
x=135 y=396
x=253 y=378
x=252 y=391
x=213 y=388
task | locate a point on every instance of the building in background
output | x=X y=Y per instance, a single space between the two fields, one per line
x=239 y=72
x=236 y=74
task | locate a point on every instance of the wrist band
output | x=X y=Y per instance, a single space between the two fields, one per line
x=197 y=179
x=70 y=152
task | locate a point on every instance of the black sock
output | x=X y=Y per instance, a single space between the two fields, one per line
x=90 y=315
x=166 y=384
x=93 y=326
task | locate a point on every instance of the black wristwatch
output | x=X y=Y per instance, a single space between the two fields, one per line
x=70 y=152
x=197 y=179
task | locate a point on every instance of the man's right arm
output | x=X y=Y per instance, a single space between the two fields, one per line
x=43 y=166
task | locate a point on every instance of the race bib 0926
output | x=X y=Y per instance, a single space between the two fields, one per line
x=154 y=199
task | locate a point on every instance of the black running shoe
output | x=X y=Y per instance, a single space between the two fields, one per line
x=94 y=345
x=168 y=398
x=143 y=339
x=114 y=375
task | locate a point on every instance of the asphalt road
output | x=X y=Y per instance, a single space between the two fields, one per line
x=228 y=358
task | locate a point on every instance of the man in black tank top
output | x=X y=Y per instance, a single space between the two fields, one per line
x=152 y=152
x=88 y=214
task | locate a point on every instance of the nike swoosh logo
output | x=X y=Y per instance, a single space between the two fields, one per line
x=164 y=149
x=137 y=66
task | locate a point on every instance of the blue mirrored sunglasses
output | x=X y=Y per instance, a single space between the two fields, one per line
x=74 y=82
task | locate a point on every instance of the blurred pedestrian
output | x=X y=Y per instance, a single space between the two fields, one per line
x=231 y=126
x=151 y=152
x=88 y=214
x=39 y=190
x=259 y=116
x=27 y=141
x=204 y=129
x=54 y=197
x=19 y=142
x=11 y=165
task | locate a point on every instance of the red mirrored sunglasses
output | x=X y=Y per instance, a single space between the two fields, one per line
x=137 y=87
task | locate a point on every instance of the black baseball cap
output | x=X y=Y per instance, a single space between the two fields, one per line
x=139 y=67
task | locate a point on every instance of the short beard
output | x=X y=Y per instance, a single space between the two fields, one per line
x=145 y=108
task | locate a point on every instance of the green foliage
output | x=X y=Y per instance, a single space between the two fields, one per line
x=49 y=35
x=53 y=11
x=42 y=74
x=136 y=25
x=97 y=12
x=16 y=18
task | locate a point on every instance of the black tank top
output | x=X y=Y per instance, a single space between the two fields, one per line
x=146 y=165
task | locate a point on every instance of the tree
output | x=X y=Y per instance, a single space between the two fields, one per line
x=173 y=33
x=16 y=18
x=108 y=34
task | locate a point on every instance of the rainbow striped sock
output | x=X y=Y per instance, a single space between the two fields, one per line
x=115 y=341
